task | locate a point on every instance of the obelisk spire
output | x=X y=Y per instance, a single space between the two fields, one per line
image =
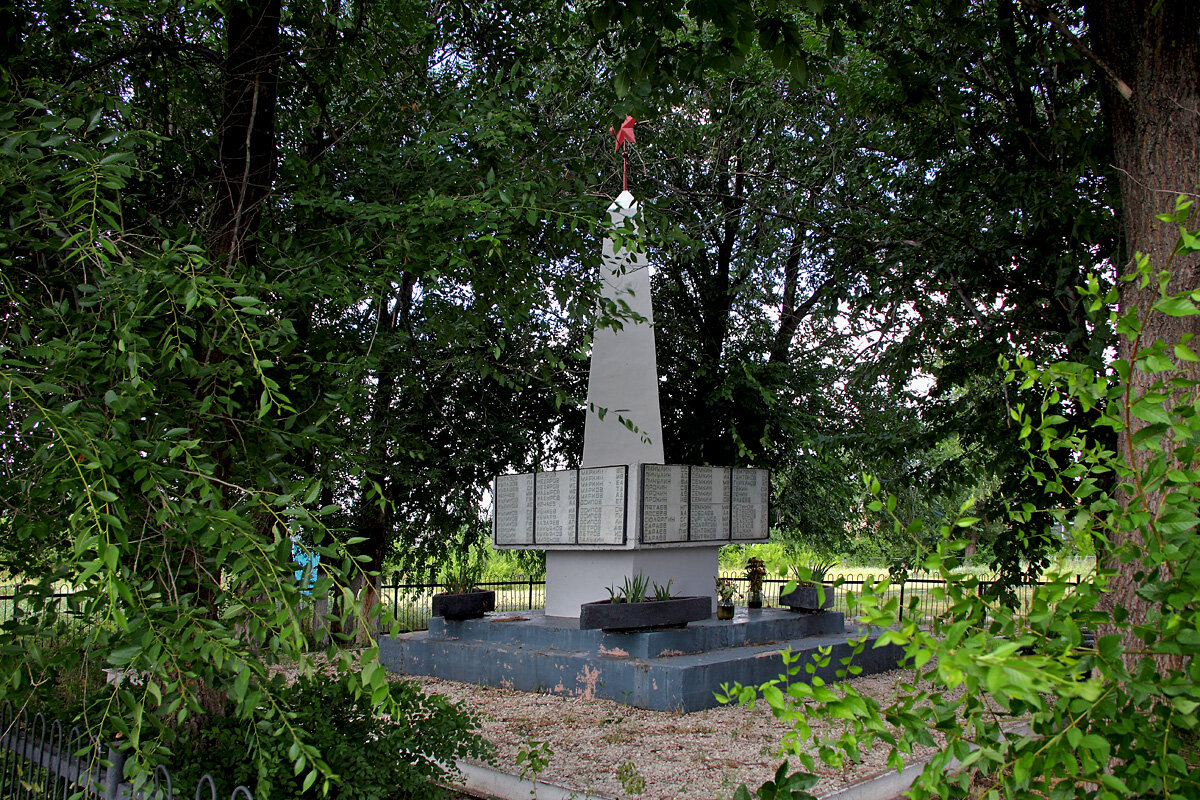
x=623 y=381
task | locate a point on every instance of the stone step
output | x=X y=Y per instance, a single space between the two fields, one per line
x=668 y=681
x=535 y=629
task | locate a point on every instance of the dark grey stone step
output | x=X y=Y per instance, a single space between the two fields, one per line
x=535 y=629
x=670 y=680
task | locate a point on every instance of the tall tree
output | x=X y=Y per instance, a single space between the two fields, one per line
x=259 y=290
x=1149 y=54
x=915 y=193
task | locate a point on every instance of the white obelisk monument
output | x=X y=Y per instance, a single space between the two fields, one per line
x=623 y=387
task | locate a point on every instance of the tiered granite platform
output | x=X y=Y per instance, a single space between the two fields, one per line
x=665 y=670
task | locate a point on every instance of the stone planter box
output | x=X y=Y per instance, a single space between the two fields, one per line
x=804 y=599
x=468 y=605
x=674 y=613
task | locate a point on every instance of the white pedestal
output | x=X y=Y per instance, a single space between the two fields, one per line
x=574 y=577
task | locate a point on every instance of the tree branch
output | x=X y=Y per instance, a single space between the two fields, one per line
x=1049 y=14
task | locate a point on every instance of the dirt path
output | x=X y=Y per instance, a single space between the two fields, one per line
x=620 y=752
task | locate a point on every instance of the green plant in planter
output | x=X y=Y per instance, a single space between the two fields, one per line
x=756 y=570
x=813 y=573
x=725 y=594
x=726 y=590
x=663 y=592
x=634 y=590
x=464 y=572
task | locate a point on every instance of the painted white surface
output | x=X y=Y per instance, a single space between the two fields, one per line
x=505 y=786
x=624 y=380
x=575 y=577
x=624 y=372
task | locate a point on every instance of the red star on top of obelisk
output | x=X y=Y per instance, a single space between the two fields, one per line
x=624 y=134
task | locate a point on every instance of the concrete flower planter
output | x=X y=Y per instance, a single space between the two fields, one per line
x=468 y=605
x=805 y=599
x=674 y=613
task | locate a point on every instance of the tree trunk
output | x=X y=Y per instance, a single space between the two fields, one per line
x=247 y=132
x=246 y=142
x=1152 y=103
x=374 y=519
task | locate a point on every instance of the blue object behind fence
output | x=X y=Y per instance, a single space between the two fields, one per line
x=307 y=562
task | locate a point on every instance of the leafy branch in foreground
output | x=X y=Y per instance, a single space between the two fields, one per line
x=150 y=455
x=1067 y=695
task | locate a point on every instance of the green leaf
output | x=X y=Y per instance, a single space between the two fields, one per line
x=1184 y=353
x=1179 y=306
x=124 y=655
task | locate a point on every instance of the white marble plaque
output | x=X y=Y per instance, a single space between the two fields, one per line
x=602 y=505
x=708 y=501
x=751 y=490
x=555 y=506
x=513 y=523
x=664 y=503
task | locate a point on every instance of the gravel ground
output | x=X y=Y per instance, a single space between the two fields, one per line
x=618 y=752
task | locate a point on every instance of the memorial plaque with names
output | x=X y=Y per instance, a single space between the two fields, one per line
x=708 y=513
x=664 y=503
x=602 y=505
x=554 y=507
x=514 y=512
x=750 y=495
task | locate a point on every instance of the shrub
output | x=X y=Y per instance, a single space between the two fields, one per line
x=1093 y=690
x=375 y=757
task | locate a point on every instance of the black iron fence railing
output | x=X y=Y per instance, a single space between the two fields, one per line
x=410 y=603
x=922 y=598
x=40 y=759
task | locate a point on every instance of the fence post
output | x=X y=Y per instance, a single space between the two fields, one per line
x=530 y=606
x=902 y=585
x=116 y=771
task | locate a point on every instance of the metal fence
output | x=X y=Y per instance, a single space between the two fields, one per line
x=410 y=603
x=919 y=598
x=40 y=760
x=13 y=604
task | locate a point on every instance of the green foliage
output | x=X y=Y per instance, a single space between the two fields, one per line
x=1092 y=689
x=396 y=757
x=533 y=758
x=463 y=572
x=634 y=590
x=631 y=780
x=785 y=786
x=512 y=565
x=837 y=285
x=174 y=418
x=152 y=444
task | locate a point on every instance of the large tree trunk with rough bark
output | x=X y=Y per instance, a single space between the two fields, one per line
x=1149 y=51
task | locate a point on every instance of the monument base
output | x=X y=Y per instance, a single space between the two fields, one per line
x=575 y=577
x=663 y=670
